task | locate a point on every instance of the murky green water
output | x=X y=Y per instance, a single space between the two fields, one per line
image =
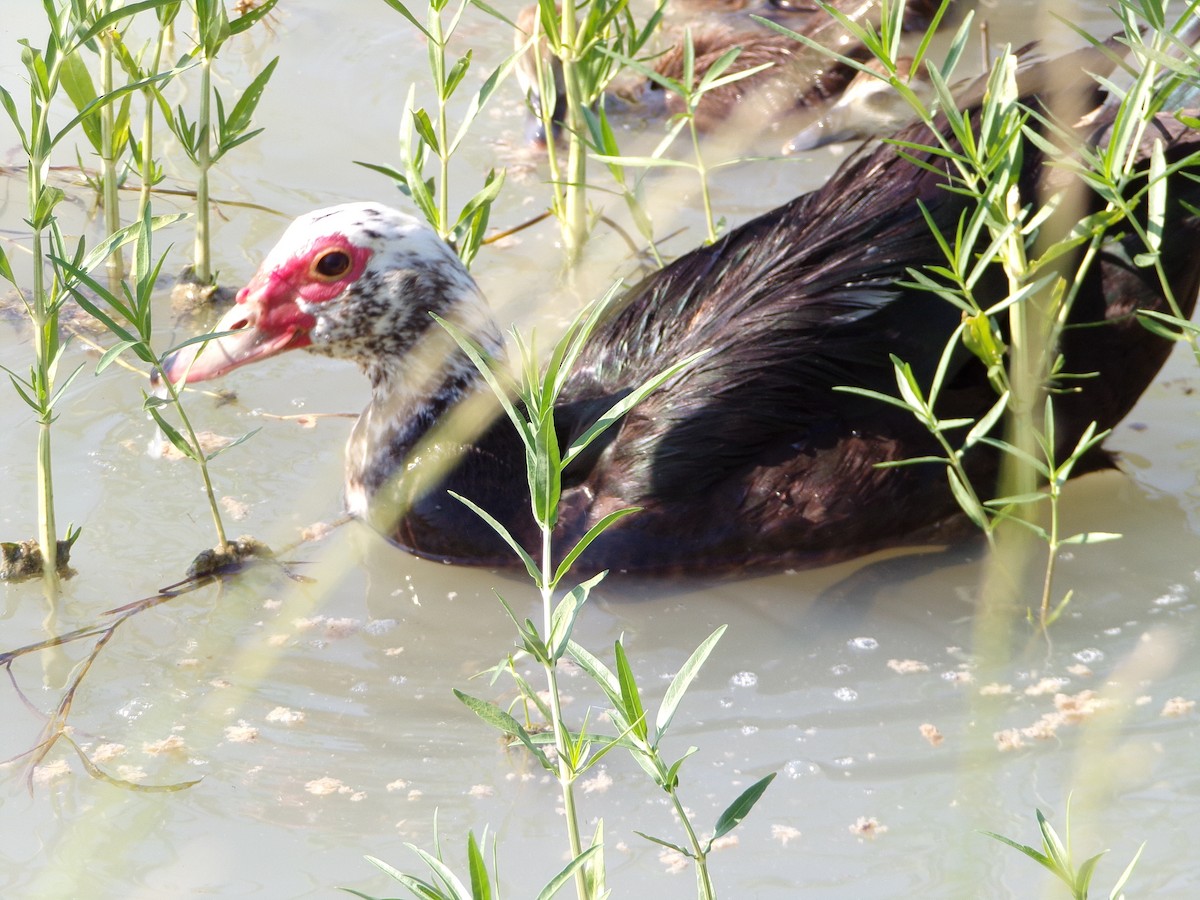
x=320 y=717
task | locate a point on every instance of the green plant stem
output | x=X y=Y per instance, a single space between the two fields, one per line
x=147 y=161
x=1027 y=371
x=1051 y=553
x=201 y=263
x=576 y=180
x=45 y=337
x=109 y=154
x=222 y=540
x=702 y=171
x=47 y=529
x=438 y=40
x=566 y=775
x=704 y=885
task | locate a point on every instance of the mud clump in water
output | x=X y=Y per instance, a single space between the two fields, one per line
x=191 y=295
x=220 y=559
x=21 y=560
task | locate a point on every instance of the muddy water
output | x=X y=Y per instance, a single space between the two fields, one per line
x=318 y=714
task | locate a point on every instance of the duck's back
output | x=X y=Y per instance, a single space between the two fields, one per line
x=751 y=455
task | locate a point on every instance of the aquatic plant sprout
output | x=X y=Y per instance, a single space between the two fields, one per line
x=49 y=71
x=529 y=402
x=421 y=135
x=206 y=139
x=1055 y=856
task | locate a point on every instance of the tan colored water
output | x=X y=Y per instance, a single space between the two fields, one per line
x=810 y=680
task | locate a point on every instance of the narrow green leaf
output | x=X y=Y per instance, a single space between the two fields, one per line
x=421 y=888
x=682 y=681
x=482 y=362
x=673 y=771
x=234 y=443
x=179 y=441
x=740 y=808
x=115 y=16
x=530 y=566
x=455 y=76
x=1116 y=894
x=987 y=423
x=621 y=407
x=565 y=614
x=1019 y=499
x=594 y=870
x=48 y=198
x=200 y=339
x=248 y=18
x=11 y=108
x=111 y=354
x=966 y=499
x=389 y=171
x=646 y=162
x=1083 y=877
x=906 y=382
x=484 y=197
x=554 y=884
x=481 y=884
x=1092 y=537
x=1033 y=854
x=62 y=387
x=631 y=701
x=443 y=873
x=545 y=471
x=77 y=82
x=243 y=110
x=6 y=271
x=92 y=308
x=874 y=395
x=582 y=544
x=503 y=722
x=104 y=99
x=25 y=391
x=599 y=672
x=568 y=348
x=1054 y=846
x=483 y=95
x=664 y=843
x=403 y=10
x=424 y=128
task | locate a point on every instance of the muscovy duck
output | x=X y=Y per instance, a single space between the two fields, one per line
x=798 y=79
x=749 y=458
x=867 y=107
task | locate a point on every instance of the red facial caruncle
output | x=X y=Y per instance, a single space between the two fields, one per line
x=268 y=317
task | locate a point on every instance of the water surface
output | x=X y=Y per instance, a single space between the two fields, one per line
x=319 y=714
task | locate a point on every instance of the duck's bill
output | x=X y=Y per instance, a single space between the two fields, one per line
x=236 y=341
x=819 y=134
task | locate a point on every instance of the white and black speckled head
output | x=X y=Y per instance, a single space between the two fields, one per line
x=359 y=282
x=356 y=281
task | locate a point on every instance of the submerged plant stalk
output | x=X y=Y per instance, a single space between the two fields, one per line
x=566 y=775
x=45 y=331
x=109 y=153
x=576 y=197
x=201 y=259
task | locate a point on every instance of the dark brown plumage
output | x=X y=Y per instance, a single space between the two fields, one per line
x=799 y=78
x=749 y=458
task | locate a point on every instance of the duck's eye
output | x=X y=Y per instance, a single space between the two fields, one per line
x=330 y=265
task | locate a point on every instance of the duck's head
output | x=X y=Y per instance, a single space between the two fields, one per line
x=535 y=56
x=357 y=281
x=869 y=107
